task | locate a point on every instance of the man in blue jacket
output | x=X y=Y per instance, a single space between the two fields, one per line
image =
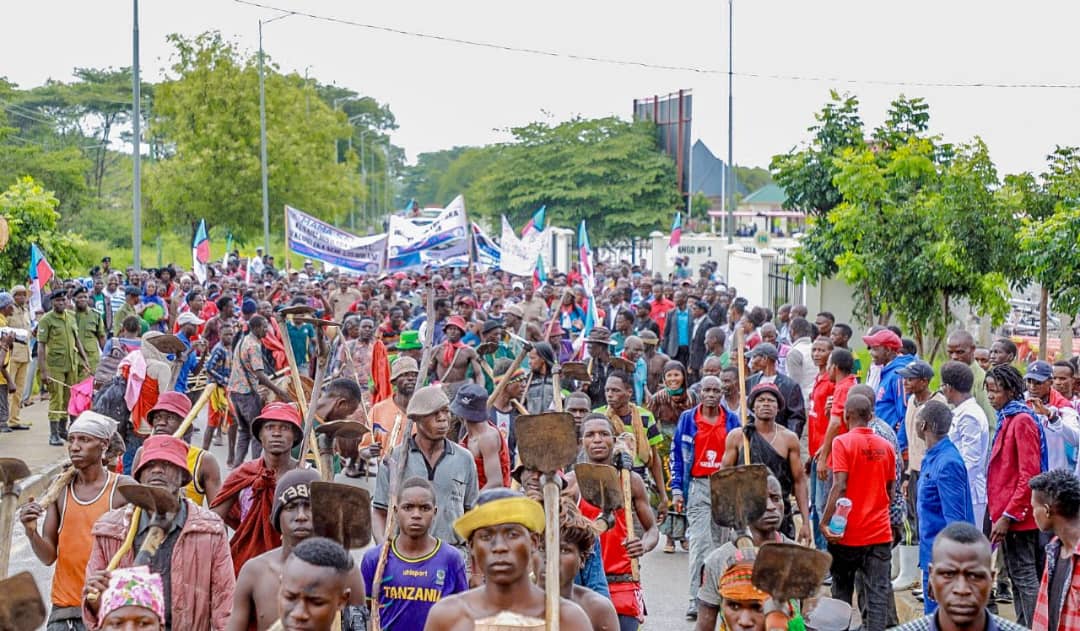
x=944 y=493
x=891 y=403
x=696 y=453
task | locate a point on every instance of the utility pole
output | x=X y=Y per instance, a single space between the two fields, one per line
x=729 y=197
x=136 y=138
x=262 y=149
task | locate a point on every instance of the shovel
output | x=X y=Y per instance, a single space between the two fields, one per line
x=341 y=512
x=601 y=486
x=622 y=363
x=577 y=371
x=21 y=605
x=11 y=471
x=161 y=505
x=739 y=495
x=788 y=570
x=547 y=443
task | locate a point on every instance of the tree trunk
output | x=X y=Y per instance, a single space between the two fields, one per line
x=1043 y=300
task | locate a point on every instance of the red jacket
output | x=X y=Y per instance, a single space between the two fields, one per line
x=1015 y=458
x=201 y=568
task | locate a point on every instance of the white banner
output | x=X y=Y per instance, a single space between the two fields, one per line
x=319 y=240
x=412 y=235
x=519 y=254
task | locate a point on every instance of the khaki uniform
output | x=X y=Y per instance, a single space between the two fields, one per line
x=19 y=365
x=91 y=328
x=58 y=332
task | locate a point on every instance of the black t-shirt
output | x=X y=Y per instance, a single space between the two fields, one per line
x=1063 y=569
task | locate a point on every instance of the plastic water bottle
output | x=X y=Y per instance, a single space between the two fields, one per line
x=838 y=523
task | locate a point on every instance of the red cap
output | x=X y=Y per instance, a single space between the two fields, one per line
x=458 y=321
x=283 y=413
x=885 y=338
x=556 y=329
x=165 y=448
x=174 y=402
x=400 y=275
x=466 y=300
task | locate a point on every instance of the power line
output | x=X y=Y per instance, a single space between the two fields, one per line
x=654 y=66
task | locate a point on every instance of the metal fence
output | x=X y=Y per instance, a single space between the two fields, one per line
x=782 y=287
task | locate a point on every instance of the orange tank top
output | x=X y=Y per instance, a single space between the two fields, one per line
x=74 y=542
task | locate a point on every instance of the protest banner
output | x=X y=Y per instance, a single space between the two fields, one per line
x=316 y=239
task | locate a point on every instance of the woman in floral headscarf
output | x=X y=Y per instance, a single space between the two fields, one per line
x=667 y=404
x=135 y=599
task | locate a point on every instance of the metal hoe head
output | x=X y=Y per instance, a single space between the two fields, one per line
x=487 y=348
x=21 y=605
x=341 y=512
x=600 y=485
x=788 y=570
x=295 y=310
x=13 y=470
x=343 y=429
x=621 y=363
x=739 y=495
x=318 y=322
x=546 y=442
x=575 y=370
x=152 y=499
x=168 y=344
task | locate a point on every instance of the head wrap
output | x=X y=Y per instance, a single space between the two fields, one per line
x=736 y=584
x=508 y=510
x=93 y=424
x=133 y=587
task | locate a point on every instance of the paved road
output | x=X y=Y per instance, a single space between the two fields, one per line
x=664 y=576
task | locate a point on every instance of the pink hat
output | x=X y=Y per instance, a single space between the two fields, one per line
x=165 y=448
x=457 y=321
x=175 y=402
x=885 y=338
x=280 y=412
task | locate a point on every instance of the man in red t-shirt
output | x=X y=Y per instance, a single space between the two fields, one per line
x=841 y=369
x=864 y=545
x=817 y=424
x=696 y=453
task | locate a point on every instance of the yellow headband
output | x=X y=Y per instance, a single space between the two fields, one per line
x=509 y=510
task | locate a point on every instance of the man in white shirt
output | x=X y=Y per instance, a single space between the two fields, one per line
x=800 y=364
x=970 y=431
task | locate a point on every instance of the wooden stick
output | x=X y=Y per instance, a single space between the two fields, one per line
x=125 y=547
x=200 y=403
x=501 y=385
x=397 y=476
x=740 y=352
x=551 y=552
x=630 y=442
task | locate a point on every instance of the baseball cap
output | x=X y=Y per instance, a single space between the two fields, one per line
x=1039 y=371
x=885 y=338
x=188 y=317
x=917 y=370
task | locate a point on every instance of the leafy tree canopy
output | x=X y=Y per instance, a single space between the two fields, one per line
x=30 y=211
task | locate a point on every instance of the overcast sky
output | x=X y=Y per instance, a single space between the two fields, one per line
x=446 y=94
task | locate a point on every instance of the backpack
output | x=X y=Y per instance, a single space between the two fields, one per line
x=110 y=363
x=110 y=402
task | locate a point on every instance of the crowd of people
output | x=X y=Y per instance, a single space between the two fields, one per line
x=965 y=491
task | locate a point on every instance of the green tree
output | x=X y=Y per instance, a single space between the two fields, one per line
x=30 y=211
x=606 y=171
x=206 y=116
x=917 y=224
x=1050 y=237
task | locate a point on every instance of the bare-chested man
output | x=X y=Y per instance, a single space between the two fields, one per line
x=655 y=360
x=777 y=448
x=503 y=531
x=255 y=601
x=453 y=358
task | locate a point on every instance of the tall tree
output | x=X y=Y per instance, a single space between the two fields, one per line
x=606 y=171
x=207 y=116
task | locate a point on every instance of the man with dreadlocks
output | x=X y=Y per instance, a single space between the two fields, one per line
x=1017 y=454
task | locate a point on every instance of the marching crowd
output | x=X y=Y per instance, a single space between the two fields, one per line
x=966 y=492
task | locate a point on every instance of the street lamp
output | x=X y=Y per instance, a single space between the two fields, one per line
x=136 y=136
x=262 y=137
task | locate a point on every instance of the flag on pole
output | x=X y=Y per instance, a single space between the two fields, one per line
x=585 y=266
x=200 y=252
x=536 y=224
x=40 y=275
x=673 y=242
x=539 y=276
x=228 y=249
